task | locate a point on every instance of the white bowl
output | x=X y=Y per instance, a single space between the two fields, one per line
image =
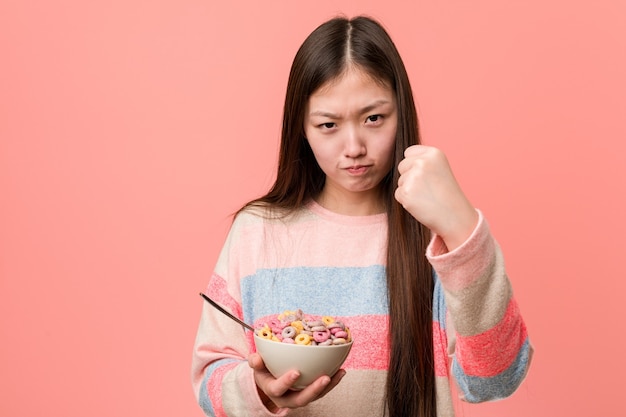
x=311 y=361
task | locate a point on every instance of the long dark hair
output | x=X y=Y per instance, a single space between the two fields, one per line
x=324 y=55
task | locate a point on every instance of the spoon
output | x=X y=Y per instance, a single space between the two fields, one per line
x=214 y=304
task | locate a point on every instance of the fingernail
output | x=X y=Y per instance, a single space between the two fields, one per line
x=295 y=375
x=325 y=380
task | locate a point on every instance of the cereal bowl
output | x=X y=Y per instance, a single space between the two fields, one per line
x=311 y=361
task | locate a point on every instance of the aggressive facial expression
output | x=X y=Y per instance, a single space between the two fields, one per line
x=350 y=124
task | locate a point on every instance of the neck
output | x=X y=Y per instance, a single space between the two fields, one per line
x=352 y=204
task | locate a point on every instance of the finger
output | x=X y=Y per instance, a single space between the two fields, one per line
x=415 y=150
x=407 y=164
x=415 y=159
x=311 y=392
x=255 y=361
x=403 y=166
x=400 y=180
x=316 y=390
x=333 y=382
x=273 y=387
x=277 y=387
x=400 y=197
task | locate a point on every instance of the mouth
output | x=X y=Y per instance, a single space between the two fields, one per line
x=357 y=169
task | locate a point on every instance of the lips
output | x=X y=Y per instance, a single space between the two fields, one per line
x=357 y=169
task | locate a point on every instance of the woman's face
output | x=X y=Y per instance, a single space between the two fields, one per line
x=350 y=124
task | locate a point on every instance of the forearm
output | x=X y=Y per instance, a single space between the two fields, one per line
x=491 y=347
x=222 y=380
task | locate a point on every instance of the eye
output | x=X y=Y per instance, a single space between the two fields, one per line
x=375 y=118
x=327 y=125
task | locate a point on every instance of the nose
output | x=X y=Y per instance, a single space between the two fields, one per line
x=354 y=145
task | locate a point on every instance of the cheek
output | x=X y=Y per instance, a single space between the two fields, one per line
x=387 y=157
x=322 y=152
x=387 y=148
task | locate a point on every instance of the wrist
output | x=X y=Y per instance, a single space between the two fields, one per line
x=459 y=228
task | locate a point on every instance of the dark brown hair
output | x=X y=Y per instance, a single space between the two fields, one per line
x=325 y=55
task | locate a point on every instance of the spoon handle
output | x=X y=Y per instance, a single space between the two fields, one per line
x=214 y=304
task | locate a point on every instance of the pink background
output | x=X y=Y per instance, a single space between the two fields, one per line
x=130 y=129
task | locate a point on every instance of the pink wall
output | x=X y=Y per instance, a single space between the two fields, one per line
x=129 y=130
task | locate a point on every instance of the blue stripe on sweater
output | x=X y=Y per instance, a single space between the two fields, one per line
x=439 y=303
x=478 y=389
x=331 y=291
x=203 y=395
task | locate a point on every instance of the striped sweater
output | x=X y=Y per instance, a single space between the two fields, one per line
x=330 y=264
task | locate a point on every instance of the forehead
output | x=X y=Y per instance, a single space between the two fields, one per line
x=352 y=87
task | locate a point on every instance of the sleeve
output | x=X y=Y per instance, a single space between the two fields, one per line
x=488 y=342
x=222 y=381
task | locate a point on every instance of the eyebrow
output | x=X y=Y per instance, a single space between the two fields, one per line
x=365 y=109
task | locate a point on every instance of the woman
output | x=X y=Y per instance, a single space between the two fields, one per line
x=366 y=224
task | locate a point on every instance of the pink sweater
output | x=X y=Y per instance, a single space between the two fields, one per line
x=331 y=264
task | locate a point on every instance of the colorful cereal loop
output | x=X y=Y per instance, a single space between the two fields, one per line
x=298 y=325
x=265 y=333
x=303 y=339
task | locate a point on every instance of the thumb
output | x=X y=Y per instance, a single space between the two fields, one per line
x=255 y=361
x=415 y=150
